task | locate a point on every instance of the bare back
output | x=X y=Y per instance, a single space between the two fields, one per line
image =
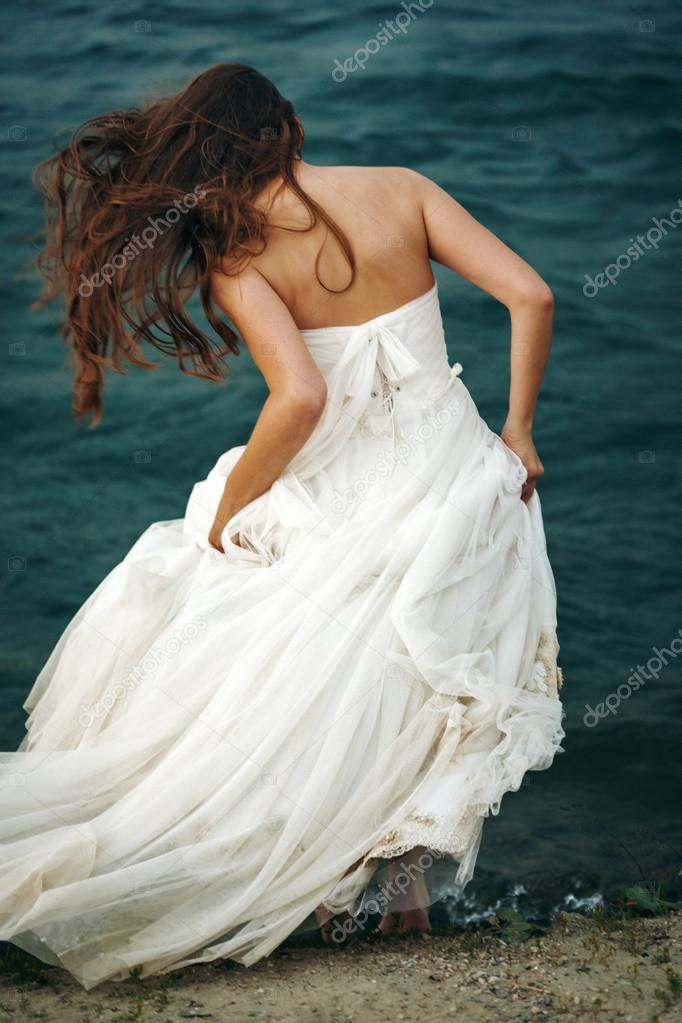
x=396 y=221
x=379 y=210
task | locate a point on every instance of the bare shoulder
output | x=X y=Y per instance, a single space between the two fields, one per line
x=247 y=298
x=392 y=194
x=422 y=187
x=380 y=177
x=361 y=179
x=407 y=188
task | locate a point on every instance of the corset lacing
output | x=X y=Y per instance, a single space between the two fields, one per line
x=388 y=401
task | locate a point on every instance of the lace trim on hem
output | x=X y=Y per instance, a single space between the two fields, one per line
x=436 y=833
x=458 y=837
x=547 y=676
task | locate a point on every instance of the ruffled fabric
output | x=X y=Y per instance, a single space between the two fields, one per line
x=220 y=744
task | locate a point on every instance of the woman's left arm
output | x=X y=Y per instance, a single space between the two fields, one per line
x=297 y=397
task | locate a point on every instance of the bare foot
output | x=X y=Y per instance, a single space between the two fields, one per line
x=405 y=921
x=389 y=924
x=409 y=897
x=339 y=929
x=415 y=920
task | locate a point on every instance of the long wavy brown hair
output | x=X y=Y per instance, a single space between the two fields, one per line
x=142 y=207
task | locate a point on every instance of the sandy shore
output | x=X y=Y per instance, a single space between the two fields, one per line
x=582 y=969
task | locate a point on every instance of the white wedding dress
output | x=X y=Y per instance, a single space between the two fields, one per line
x=221 y=743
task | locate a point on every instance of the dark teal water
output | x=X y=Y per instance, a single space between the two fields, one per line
x=559 y=126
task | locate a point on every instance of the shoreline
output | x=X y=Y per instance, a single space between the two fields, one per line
x=602 y=969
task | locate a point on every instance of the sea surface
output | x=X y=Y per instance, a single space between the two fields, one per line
x=560 y=127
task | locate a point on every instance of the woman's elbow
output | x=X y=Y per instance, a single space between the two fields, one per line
x=545 y=298
x=536 y=295
x=313 y=403
x=308 y=403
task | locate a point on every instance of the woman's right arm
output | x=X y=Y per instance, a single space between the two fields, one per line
x=297 y=397
x=457 y=240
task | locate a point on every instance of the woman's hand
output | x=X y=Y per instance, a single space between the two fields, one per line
x=216 y=533
x=520 y=441
x=215 y=536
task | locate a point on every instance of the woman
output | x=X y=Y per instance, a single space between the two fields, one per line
x=345 y=653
